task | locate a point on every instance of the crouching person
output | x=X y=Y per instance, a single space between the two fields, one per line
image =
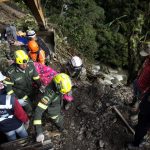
x=12 y=116
x=51 y=100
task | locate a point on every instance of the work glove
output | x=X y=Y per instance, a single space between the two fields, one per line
x=42 y=88
x=40 y=138
x=22 y=102
x=26 y=124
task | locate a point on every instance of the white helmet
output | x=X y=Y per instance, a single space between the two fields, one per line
x=30 y=33
x=2 y=77
x=76 y=61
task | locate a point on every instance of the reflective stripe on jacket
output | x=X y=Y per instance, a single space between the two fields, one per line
x=8 y=121
x=22 y=80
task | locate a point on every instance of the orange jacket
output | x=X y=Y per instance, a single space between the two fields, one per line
x=40 y=55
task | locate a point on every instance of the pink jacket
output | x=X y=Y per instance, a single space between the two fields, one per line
x=46 y=73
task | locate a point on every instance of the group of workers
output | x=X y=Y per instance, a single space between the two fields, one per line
x=29 y=86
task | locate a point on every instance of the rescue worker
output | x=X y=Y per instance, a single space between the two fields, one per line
x=7 y=84
x=142 y=91
x=61 y=84
x=35 y=53
x=31 y=35
x=10 y=37
x=74 y=67
x=12 y=116
x=141 y=84
x=46 y=74
x=22 y=75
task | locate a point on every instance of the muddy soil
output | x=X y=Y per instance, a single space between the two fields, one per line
x=91 y=123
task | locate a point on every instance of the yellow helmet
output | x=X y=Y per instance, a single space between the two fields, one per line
x=21 y=57
x=63 y=83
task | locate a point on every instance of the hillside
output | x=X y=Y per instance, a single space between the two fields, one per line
x=91 y=122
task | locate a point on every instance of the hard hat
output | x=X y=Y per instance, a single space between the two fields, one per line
x=76 y=62
x=33 y=46
x=21 y=57
x=30 y=33
x=63 y=83
x=2 y=77
x=146 y=49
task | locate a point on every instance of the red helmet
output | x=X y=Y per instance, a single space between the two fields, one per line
x=33 y=46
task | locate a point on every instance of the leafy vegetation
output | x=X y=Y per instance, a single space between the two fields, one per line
x=110 y=31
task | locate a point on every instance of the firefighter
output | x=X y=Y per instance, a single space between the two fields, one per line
x=12 y=116
x=22 y=75
x=51 y=100
x=35 y=52
x=31 y=35
x=74 y=67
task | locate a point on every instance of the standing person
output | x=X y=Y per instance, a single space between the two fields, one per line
x=142 y=91
x=22 y=75
x=51 y=100
x=31 y=35
x=12 y=116
x=35 y=53
x=142 y=83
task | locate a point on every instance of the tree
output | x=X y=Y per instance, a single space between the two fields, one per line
x=77 y=19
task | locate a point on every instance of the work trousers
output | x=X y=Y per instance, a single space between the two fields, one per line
x=143 y=121
x=21 y=132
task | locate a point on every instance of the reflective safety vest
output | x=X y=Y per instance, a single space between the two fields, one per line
x=8 y=121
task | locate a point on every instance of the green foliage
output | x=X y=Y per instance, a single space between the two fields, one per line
x=77 y=20
x=102 y=29
x=112 y=47
x=28 y=22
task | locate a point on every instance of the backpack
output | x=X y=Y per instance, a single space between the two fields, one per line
x=10 y=33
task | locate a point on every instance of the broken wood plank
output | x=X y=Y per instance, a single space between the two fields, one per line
x=123 y=119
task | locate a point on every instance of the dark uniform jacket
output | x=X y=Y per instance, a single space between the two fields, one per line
x=8 y=119
x=22 y=80
x=50 y=101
